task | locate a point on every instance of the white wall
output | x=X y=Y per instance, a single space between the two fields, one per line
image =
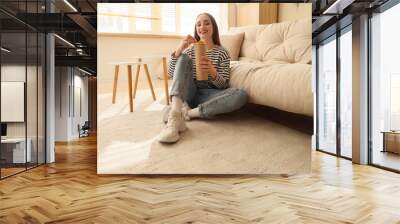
x=33 y=127
x=122 y=48
x=14 y=73
x=247 y=14
x=17 y=73
x=294 y=11
x=67 y=80
x=61 y=103
x=80 y=83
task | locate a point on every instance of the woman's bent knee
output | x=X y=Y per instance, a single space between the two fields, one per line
x=237 y=99
x=183 y=66
x=183 y=58
x=240 y=96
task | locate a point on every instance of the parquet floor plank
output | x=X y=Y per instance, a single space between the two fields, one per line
x=70 y=191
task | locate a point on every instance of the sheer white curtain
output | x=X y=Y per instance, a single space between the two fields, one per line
x=168 y=17
x=143 y=16
x=156 y=18
x=113 y=18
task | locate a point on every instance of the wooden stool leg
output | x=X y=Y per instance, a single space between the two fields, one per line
x=136 y=80
x=115 y=84
x=130 y=87
x=149 y=81
x=165 y=76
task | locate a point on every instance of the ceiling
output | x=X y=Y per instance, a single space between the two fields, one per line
x=331 y=15
x=74 y=22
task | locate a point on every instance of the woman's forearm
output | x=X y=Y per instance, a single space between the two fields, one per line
x=177 y=53
x=213 y=73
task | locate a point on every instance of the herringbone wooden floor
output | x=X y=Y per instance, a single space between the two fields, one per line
x=70 y=191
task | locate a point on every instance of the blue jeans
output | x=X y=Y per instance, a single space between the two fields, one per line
x=209 y=100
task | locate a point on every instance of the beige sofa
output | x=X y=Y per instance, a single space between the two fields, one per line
x=274 y=65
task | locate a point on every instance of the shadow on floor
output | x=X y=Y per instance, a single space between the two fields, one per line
x=298 y=122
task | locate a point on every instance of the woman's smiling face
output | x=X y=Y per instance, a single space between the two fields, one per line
x=204 y=27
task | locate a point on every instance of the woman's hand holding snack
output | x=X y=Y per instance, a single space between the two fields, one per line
x=207 y=66
x=185 y=43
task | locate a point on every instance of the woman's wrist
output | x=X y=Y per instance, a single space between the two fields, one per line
x=177 y=53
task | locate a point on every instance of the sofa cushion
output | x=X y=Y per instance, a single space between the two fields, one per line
x=245 y=59
x=282 y=86
x=248 y=48
x=287 y=42
x=274 y=66
x=233 y=43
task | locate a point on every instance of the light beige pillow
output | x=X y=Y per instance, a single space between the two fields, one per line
x=232 y=43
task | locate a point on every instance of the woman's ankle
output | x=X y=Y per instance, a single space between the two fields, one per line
x=176 y=104
x=194 y=113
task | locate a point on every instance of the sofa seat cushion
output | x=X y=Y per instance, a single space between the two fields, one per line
x=283 y=86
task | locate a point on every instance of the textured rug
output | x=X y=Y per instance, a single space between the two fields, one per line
x=238 y=143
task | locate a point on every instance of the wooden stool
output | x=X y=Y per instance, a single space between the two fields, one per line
x=138 y=61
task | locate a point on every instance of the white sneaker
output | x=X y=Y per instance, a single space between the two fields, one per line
x=175 y=124
x=185 y=109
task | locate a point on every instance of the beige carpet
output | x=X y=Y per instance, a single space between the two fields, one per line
x=237 y=143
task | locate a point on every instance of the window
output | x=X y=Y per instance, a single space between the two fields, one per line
x=334 y=119
x=113 y=18
x=143 y=17
x=327 y=96
x=168 y=21
x=22 y=75
x=189 y=13
x=346 y=93
x=394 y=101
x=385 y=88
x=150 y=18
